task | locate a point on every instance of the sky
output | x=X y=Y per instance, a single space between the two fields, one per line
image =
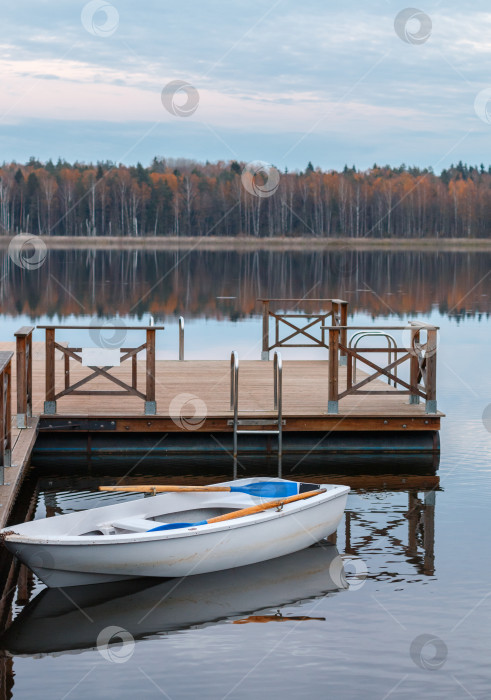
x=272 y=80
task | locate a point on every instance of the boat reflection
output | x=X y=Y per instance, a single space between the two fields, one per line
x=60 y=621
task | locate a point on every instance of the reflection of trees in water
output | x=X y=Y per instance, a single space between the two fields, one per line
x=190 y=282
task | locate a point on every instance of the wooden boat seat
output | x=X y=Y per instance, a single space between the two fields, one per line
x=134 y=524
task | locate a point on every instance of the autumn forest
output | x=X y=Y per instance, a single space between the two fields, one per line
x=183 y=197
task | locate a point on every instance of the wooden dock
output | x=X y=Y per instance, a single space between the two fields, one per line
x=198 y=391
x=57 y=388
x=22 y=445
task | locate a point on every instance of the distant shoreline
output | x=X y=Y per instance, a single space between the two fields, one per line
x=242 y=243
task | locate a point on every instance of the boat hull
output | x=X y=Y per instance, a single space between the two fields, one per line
x=65 y=565
x=69 y=560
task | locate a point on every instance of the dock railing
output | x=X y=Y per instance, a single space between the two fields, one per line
x=421 y=357
x=23 y=359
x=76 y=354
x=336 y=311
x=5 y=412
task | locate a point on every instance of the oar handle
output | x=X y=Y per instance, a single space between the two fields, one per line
x=163 y=489
x=279 y=503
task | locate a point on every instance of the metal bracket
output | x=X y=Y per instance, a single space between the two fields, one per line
x=21 y=420
x=332 y=407
x=150 y=408
x=265 y=355
x=50 y=408
x=431 y=406
x=259 y=421
x=82 y=424
x=7 y=462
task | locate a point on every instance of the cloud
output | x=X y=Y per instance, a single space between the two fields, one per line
x=260 y=68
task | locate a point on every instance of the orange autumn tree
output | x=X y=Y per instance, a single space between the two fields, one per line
x=186 y=198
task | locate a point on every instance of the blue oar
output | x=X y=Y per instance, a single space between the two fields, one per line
x=261 y=489
x=241 y=513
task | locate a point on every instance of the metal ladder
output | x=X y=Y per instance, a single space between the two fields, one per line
x=248 y=423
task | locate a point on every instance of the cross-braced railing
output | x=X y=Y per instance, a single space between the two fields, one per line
x=420 y=356
x=101 y=371
x=289 y=332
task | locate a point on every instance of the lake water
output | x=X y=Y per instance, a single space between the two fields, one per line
x=411 y=614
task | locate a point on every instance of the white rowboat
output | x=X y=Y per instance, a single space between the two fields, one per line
x=119 y=542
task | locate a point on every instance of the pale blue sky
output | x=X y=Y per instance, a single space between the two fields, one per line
x=278 y=81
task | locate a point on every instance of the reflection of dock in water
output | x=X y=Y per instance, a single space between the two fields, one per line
x=418 y=550
x=420 y=547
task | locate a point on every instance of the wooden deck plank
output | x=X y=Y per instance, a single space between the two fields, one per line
x=204 y=386
x=22 y=442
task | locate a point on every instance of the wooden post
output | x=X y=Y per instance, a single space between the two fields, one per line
x=24 y=585
x=413 y=511
x=29 y=360
x=150 y=403
x=349 y=371
x=6 y=677
x=50 y=403
x=265 y=350
x=7 y=396
x=340 y=318
x=8 y=413
x=5 y=413
x=24 y=374
x=414 y=365
x=67 y=370
x=332 y=404
x=429 y=532
x=431 y=403
x=336 y=320
x=347 y=532
x=344 y=332
x=20 y=360
x=133 y=372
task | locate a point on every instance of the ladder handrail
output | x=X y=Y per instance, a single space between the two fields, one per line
x=234 y=380
x=278 y=403
x=365 y=334
x=234 y=400
x=181 y=337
